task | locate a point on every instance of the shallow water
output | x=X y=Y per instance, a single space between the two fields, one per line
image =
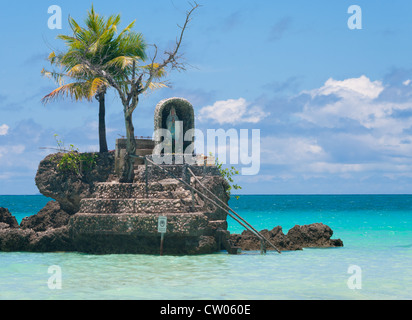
x=376 y=231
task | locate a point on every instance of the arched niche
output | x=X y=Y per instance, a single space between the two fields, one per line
x=184 y=111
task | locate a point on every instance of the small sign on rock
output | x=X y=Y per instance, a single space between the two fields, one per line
x=162 y=227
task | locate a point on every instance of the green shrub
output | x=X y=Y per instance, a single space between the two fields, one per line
x=73 y=161
x=77 y=163
x=228 y=174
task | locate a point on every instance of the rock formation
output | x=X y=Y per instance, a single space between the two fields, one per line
x=60 y=239
x=7 y=220
x=68 y=188
x=45 y=232
x=94 y=213
x=316 y=235
x=52 y=216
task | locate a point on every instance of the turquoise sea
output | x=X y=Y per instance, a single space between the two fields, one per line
x=376 y=231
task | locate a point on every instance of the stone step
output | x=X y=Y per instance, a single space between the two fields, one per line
x=157 y=174
x=182 y=224
x=165 y=189
x=120 y=206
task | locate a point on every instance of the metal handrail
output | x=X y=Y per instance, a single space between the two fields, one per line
x=234 y=216
x=253 y=230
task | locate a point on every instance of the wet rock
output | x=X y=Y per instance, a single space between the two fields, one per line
x=19 y=240
x=8 y=219
x=315 y=235
x=248 y=241
x=15 y=240
x=4 y=226
x=51 y=240
x=45 y=232
x=50 y=217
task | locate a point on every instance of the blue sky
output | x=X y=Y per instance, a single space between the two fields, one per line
x=334 y=105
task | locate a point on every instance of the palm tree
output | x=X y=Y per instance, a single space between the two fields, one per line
x=99 y=44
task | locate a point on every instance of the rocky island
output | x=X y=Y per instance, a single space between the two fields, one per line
x=94 y=212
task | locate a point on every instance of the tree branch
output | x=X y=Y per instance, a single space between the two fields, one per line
x=172 y=56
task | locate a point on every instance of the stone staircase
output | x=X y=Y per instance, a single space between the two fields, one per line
x=123 y=218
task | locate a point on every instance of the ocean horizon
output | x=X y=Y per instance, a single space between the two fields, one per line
x=376 y=231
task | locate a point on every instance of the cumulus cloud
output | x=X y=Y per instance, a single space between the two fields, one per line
x=4 y=129
x=350 y=130
x=232 y=112
x=293 y=151
x=361 y=87
x=358 y=102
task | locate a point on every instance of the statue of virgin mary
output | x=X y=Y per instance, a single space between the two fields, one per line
x=173 y=127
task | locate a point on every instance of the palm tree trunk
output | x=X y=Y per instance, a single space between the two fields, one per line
x=102 y=123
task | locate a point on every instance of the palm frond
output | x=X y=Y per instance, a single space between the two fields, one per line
x=157 y=85
x=97 y=84
x=67 y=39
x=75 y=26
x=121 y=62
x=79 y=71
x=113 y=20
x=56 y=76
x=76 y=90
x=128 y=28
x=132 y=44
x=52 y=58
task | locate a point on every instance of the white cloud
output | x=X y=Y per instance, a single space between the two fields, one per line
x=6 y=176
x=355 y=134
x=324 y=167
x=8 y=150
x=362 y=87
x=295 y=151
x=357 y=103
x=232 y=112
x=4 y=129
